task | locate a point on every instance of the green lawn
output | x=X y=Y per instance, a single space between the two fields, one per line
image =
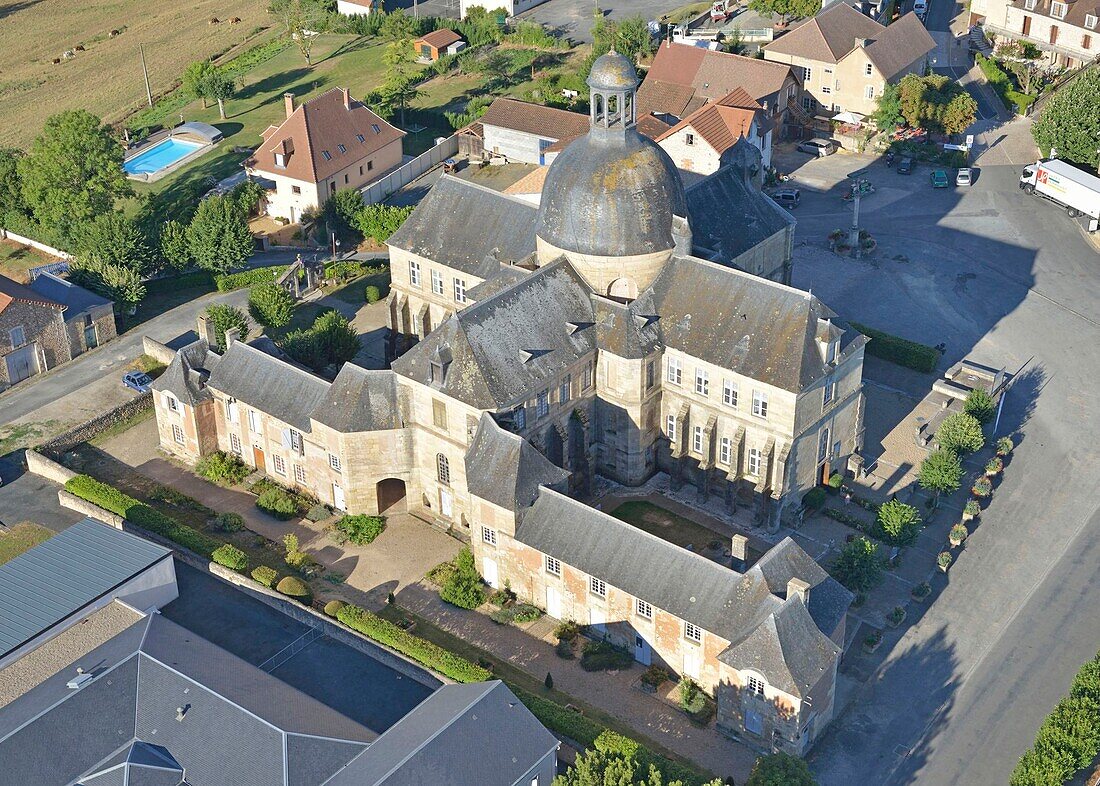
x=665 y=524
x=21 y=537
x=16 y=260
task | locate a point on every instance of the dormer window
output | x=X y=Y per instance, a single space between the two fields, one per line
x=1090 y=21
x=831 y=351
x=1029 y=5
x=689 y=139
x=280 y=160
x=341 y=148
x=1058 y=10
x=436 y=372
x=375 y=128
x=326 y=155
x=361 y=138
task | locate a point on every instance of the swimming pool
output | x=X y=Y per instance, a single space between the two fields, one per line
x=161 y=155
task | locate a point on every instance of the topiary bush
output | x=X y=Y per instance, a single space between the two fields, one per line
x=464 y=588
x=332 y=608
x=814 y=498
x=294 y=587
x=231 y=557
x=223 y=468
x=277 y=503
x=960 y=433
x=265 y=575
x=859 y=567
x=360 y=530
x=372 y=294
x=228 y=522
x=979 y=405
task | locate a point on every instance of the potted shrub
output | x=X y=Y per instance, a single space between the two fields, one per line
x=836 y=480
x=957 y=535
x=994 y=467
x=653 y=678
x=896 y=617
x=921 y=591
x=971 y=509
x=871 y=643
x=1004 y=446
x=943 y=561
x=982 y=487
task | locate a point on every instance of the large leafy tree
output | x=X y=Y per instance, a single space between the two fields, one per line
x=632 y=37
x=780 y=769
x=961 y=433
x=941 y=472
x=899 y=522
x=270 y=304
x=73 y=171
x=936 y=102
x=116 y=239
x=1070 y=122
x=175 y=246
x=858 y=567
x=221 y=87
x=301 y=20
x=399 y=89
x=787 y=9
x=225 y=318
x=196 y=80
x=219 y=238
x=887 y=114
x=11 y=194
x=615 y=760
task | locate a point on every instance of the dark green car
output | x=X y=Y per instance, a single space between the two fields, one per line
x=939 y=178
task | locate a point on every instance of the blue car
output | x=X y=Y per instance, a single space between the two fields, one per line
x=138 y=381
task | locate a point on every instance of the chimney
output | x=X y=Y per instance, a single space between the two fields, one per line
x=739 y=549
x=232 y=337
x=288 y=102
x=799 y=588
x=861 y=43
x=347 y=97
x=181 y=712
x=205 y=329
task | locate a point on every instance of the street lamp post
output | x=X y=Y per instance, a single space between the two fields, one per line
x=335 y=245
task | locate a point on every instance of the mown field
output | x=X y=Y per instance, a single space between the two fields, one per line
x=106 y=77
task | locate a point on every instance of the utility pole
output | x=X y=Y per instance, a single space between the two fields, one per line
x=145 y=72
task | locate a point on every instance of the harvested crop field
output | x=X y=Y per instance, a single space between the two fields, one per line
x=105 y=78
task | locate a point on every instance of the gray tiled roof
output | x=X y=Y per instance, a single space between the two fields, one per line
x=829 y=599
x=268 y=384
x=185 y=378
x=468 y=227
x=503 y=278
x=505 y=469
x=435 y=743
x=360 y=400
x=729 y=217
x=76 y=299
x=57 y=578
x=627 y=330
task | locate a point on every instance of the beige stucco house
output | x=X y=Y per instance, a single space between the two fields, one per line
x=329 y=143
x=846 y=59
x=1066 y=32
x=699 y=142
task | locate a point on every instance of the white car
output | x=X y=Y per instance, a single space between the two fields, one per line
x=963 y=178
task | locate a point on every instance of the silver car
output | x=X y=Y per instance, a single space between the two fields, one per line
x=964 y=177
x=819 y=147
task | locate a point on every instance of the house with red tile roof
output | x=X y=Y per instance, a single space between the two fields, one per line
x=437 y=43
x=32 y=333
x=329 y=143
x=698 y=143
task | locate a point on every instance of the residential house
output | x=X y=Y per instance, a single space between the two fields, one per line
x=846 y=59
x=329 y=143
x=437 y=43
x=699 y=141
x=89 y=318
x=33 y=336
x=356 y=7
x=683 y=78
x=1066 y=32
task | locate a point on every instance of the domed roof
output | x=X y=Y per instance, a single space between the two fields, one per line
x=612 y=72
x=611 y=195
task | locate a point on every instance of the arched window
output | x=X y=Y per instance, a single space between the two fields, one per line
x=443 y=468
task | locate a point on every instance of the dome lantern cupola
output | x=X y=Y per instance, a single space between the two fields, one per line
x=614 y=90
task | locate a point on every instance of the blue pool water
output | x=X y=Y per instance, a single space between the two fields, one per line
x=159 y=156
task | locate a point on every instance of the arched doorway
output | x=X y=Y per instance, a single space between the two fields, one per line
x=391 y=495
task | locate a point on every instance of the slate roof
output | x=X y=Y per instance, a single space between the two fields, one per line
x=505 y=277
x=360 y=400
x=186 y=376
x=12 y=291
x=829 y=599
x=319 y=126
x=627 y=330
x=61 y=576
x=1075 y=13
x=507 y=348
x=268 y=384
x=441 y=229
x=729 y=216
x=76 y=299
x=722 y=122
x=901 y=44
x=436 y=742
x=505 y=469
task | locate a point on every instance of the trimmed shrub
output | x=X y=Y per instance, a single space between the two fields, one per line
x=228 y=522
x=464 y=588
x=567 y=631
x=420 y=650
x=294 y=587
x=278 y=504
x=692 y=698
x=372 y=294
x=231 y=557
x=859 y=567
x=616 y=744
x=141 y=515
x=960 y=433
x=360 y=530
x=224 y=318
x=246 y=278
x=655 y=676
x=317 y=513
x=441 y=573
x=265 y=575
x=502 y=616
x=910 y=354
x=332 y=608
x=780 y=769
x=564 y=649
x=223 y=468
x=836 y=480
x=525 y=612
x=270 y=304
x=898 y=523
x=979 y=404
x=604 y=656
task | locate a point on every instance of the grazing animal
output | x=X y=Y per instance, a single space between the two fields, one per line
x=56 y=60
x=214 y=20
x=79 y=48
x=235 y=20
x=115 y=32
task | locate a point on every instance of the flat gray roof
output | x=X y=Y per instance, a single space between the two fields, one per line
x=57 y=578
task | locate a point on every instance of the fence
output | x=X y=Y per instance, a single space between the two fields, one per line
x=409 y=171
x=26 y=241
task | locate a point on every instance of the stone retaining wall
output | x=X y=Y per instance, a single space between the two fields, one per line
x=71 y=501
x=162 y=353
x=48 y=468
x=97 y=425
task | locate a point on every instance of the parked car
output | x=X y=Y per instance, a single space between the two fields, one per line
x=939 y=178
x=786 y=197
x=905 y=166
x=138 y=381
x=819 y=147
x=964 y=177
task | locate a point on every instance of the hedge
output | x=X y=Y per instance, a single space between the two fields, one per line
x=265 y=575
x=246 y=278
x=231 y=557
x=192 y=280
x=296 y=589
x=1003 y=85
x=431 y=655
x=895 y=349
x=141 y=515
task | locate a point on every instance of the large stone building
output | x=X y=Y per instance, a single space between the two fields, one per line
x=544 y=346
x=33 y=337
x=1065 y=32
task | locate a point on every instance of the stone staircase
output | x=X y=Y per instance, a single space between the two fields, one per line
x=978 y=42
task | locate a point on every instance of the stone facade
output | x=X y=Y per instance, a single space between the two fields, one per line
x=91 y=328
x=32 y=331
x=1065 y=34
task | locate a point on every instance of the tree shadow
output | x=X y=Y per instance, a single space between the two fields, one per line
x=271 y=83
x=10 y=9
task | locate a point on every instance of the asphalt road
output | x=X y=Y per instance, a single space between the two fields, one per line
x=1003 y=279
x=573 y=18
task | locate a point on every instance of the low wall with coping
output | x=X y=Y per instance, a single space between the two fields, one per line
x=71 y=501
x=26 y=241
x=162 y=353
x=48 y=468
x=96 y=426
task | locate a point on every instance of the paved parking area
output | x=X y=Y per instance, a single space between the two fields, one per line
x=573 y=18
x=27 y=497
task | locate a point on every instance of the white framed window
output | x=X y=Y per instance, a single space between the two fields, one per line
x=725 y=453
x=254 y=424
x=675 y=371
x=299 y=474
x=489 y=536
x=729 y=393
x=437 y=282
x=1090 y=21
x=760 y=404
x=807 y=74
x=702 y=382
x=1058 y=10
x=868 y=69
x=827 y=89
x=442 y=468
x=597 y=586
x=823 y=446
x=697 y=439
x=177 y=433
x=587 y=378
x=334 y=461
x=1029 y=5
x=670 y=427
x=542 y=404
x=235 y=444
x=831 y=352
x=754 y=461
x=643 y=609
x=173 y=404
x=296 y=443
x=755 y=686
x=414 y=273
x=519 y=414
x=280 y=465
x=460 y=290
x=563 y=388
x=829 y=394
x=553 y=566
x=231 y=410
x=692 y=632
x=869 y=91
x=689 y=139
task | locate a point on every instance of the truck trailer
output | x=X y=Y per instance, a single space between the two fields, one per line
x=1065 y=185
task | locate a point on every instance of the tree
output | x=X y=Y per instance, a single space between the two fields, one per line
x=119 y=283
x=11 y=195
x=398 y=25
x=603 y=36
x=378 y=222
x=960 y=433
x=463 y=588
x=113 y=238
x=498 y=65
x=219 y=237
x=979 y=404
x=397 y=92
x=780 y=769
x=301 y=22
x=175 y=246
x=787 y=9
x=959 y=113
x=270 y=304
x=73 y=172
x=940 y=472
x=225 y=318
x=249 y=195
x=615 y=760
x=196 y=80
x=337 y=339
x=1070 y=122
x=887 y=114
x=935 y=102
x=899 y=522
x=221 y=86
x=859 y=567
x=633 y=39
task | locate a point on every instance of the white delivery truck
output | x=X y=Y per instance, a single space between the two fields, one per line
x=1066 y=185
